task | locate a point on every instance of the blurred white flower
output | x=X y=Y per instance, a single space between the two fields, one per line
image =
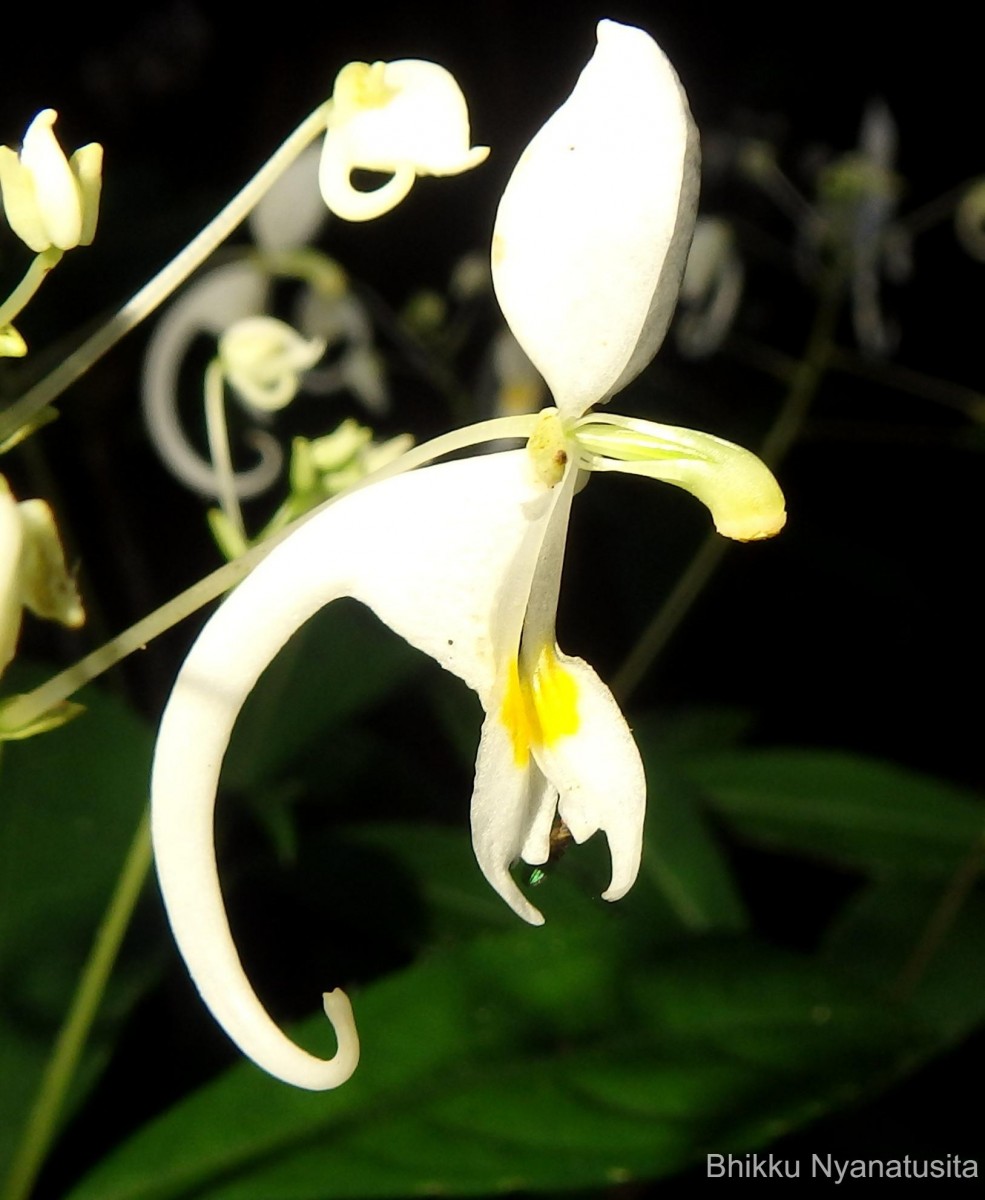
x=263 y=359
x=711 y=289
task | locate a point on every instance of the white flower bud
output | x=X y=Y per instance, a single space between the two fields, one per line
x=51 y=201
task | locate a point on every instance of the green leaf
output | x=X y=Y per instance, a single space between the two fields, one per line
x=537 y=1059
x=682 y=857
x=70 y=801
x=340 y=663
x=693 y=729
x=907 y=939
x=458 y=899
x=856 y=811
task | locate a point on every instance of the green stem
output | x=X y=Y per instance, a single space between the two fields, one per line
x=43 y=1120
x=955 y=396
x=143 y=303
x=34 y=276
x=24 y=709
x=218 y=433
x=780 y=437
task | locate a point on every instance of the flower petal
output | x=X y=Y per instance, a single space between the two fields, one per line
x=338 y=161
x=407 y=118
x=432 y=554
x=87 y=167
x=20 y=202
x=48 y=588
x=599 y=776
x=11 y=546
x=512 y=809
x=592 y=231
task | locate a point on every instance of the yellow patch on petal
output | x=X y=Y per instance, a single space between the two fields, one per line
x=540 y=709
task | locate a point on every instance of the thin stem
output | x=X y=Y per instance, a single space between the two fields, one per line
x=222 y=462
x=781 y=435
x=24 y=709
x=34 y=276
x=954 y=396
x=939 y=209
x=939 y=923
x=143 y=303
x=676 y=606
x=60 y=1070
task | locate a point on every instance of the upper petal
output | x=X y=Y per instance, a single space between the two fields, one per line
x=592 y=230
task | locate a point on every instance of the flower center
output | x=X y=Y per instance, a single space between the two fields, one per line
x=540 y=708
x=360 y=86
x=548 y=447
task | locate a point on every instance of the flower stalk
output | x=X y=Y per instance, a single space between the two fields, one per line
x=43 y=1119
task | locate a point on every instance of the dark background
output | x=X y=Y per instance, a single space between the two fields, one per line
x=859 y=629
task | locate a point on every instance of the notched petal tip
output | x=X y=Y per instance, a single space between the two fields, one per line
x=599 y=775
x=508 y=890
x=625 y=868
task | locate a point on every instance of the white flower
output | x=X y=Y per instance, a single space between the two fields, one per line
x=405 y=118
x=464 y=559
x=51 y=201
x=711 y=289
